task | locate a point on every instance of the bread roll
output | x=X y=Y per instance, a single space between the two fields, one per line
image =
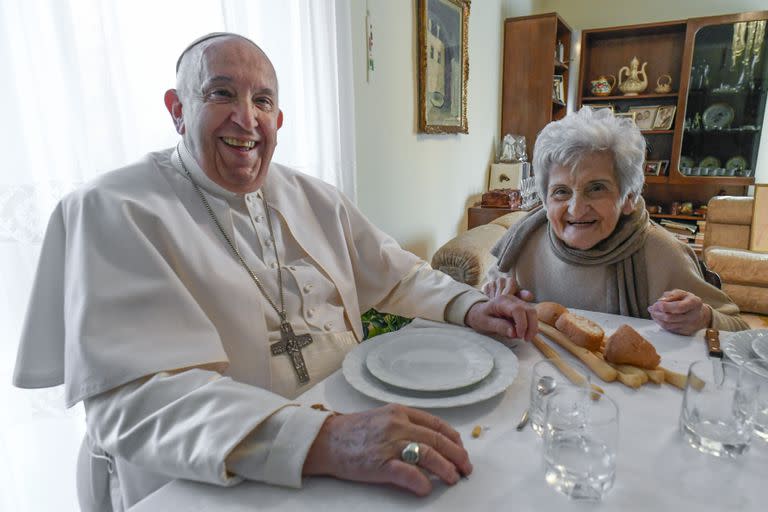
x=582 y=331
x=549 y=312
x=627 y=346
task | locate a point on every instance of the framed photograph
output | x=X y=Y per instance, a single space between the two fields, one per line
x=663 y=165
x=644 y=116
x=598 y=106
x=558 y=94
x=652 y=167
x=443 y=65
x=665 y=116
x=628 y=115
x=759 y=233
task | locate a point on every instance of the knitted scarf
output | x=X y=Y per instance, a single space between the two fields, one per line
x=621 y=250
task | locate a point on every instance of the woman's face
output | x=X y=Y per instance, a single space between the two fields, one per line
x=583 y=204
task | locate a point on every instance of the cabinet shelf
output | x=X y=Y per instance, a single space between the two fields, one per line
x=657 y=132
x=587 y=99
x=677 y=217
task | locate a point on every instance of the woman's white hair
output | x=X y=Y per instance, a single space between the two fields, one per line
x=567 y=141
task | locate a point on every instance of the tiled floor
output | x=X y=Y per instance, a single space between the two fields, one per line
x=755 y=321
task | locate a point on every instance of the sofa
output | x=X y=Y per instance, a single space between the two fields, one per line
x=743 y=273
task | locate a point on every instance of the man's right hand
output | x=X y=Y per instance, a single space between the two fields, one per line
x=366 y=447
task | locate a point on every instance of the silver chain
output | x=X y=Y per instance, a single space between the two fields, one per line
x=280 y=312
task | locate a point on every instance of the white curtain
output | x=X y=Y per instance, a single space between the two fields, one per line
x=81 y=93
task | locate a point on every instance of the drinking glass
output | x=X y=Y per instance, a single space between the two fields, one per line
x=543 y=371
x=759 y=371
x=580 y=443
x=718 y=408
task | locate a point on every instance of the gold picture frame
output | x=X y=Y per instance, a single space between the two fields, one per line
x=627 y=115
x=644 y=116
x=665 y=117
x=758 y=238
x=443 y=65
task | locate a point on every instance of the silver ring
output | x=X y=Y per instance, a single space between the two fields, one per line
x=410 y=453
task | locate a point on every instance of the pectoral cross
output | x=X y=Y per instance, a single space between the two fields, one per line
x=291 y=344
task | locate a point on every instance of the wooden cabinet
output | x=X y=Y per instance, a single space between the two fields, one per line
x=682 y=49
x=536 y=49
x=477 y=215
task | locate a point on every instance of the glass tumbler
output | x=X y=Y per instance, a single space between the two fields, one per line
x=759 y=371
x=580 y=443
x=718 y=408
x=546 y=378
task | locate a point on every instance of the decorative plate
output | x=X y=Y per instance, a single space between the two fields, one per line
x=718 y=116
x=686 y=161
x=738 y=346
x=711 y=162
x=736 y=163
x=428 y=361
x=504 y=371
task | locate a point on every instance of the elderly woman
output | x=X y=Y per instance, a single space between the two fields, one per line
x=592 y=246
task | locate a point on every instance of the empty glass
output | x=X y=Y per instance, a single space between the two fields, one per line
x=580 y=443
x=546 y=378
x=718 y=408
x=759 y=368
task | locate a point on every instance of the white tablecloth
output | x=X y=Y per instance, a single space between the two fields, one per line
x=656 y=470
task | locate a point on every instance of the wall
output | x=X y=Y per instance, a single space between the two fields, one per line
x=584 y=14
x=417 y=187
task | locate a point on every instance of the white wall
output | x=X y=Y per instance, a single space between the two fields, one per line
x=417 y=187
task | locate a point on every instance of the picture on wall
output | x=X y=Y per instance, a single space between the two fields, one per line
x=443 y=65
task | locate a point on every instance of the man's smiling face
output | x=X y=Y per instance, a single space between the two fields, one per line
x=229 y=114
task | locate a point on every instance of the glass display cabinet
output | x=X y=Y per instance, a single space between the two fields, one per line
x=725 y=103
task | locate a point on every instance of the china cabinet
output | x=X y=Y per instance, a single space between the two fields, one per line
x=535 y=74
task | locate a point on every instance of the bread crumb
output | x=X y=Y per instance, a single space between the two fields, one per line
x=476 y=431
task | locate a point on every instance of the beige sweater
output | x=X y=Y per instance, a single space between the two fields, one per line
x=670 y=265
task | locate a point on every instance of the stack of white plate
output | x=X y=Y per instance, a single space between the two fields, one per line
x=431 y=367
x=745 y=345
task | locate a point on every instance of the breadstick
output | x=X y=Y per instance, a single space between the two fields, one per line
x=569 y=372
x=676 y=379
x=631 y=376
x=656 y=376
x=594 y=363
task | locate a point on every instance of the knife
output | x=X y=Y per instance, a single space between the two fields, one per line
x=712 y=337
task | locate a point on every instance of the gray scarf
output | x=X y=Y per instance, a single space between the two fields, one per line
x=622 y=250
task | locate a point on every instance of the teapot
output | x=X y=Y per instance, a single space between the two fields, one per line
x=663 y=84
x=633 y=84
x=602 y=85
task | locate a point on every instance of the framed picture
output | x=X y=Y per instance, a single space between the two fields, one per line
x=598 y=106
x=759 y=233
x=665 y=116
x=558 y=94
x=443 y=65
x=644 y=116
x=652 y=167
x=663 y=165
x=628 y=115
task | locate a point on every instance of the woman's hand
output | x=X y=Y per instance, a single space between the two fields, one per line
x=366 y=447
x=681 y=312
x=506 y=285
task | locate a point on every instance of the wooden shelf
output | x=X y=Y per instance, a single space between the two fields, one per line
x=677 y=217
x=632 y=98
x=657 y=132
x=655 y=179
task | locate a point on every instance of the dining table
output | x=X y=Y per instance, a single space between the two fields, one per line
x=656 y=470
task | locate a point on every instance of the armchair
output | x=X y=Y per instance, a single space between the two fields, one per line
x=744 y=273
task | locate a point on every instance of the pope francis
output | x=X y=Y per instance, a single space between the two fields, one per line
x=188 y=298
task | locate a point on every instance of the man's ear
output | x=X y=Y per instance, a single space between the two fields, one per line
x=280 y=120
x=173 y=104
x=629 y=204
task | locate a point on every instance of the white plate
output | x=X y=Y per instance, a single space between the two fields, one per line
x=501 y=376
x=718 y=115
x=428 y=361
x=738 y=346
x=760 y=343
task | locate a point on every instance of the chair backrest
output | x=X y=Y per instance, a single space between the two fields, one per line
x=729 y=220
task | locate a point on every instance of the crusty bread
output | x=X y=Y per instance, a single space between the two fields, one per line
x=549 y=312
x=581 y=331
x=627 y=346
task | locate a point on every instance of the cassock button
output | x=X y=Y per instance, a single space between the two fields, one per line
x=259 y=218
x=328 y=326
x=311 y=312
x=268 y=243
x=273 y=264
x=292 y=267
x=307 y=287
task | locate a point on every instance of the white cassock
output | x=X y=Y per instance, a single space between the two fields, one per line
x=140 y=308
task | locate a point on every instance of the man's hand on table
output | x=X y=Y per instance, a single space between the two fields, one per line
x=681 y=312
x=366 y=447
x=507 y=313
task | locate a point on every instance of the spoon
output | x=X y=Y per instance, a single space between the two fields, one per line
x=544 y=386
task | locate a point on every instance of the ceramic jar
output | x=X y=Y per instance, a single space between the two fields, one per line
x=602 y=85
